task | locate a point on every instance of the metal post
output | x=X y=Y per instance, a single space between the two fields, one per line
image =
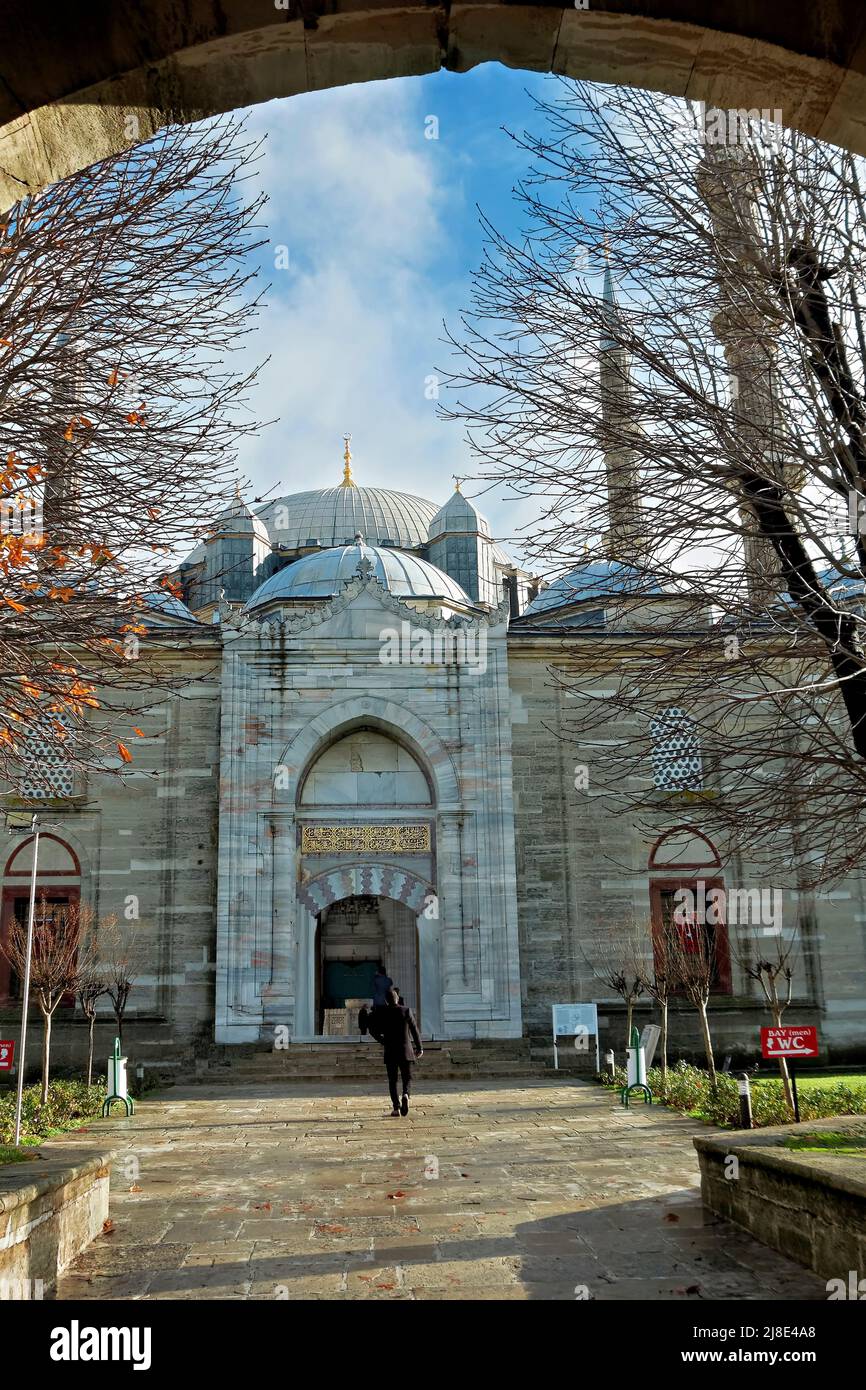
x=745 y=1091
x=26 y=984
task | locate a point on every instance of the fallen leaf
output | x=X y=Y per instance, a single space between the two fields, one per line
x=107 y=1227
x=135 y=1188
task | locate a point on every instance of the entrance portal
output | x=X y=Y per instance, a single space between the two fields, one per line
x=355 y=935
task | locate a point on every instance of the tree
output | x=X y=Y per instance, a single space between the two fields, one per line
x=59 y=955
x=617 y=957
x=692 y=964
x=91 y=985
x=120 y=967
x=769 y=960
x=700 y=418
x=659 y=979
x=124 y=293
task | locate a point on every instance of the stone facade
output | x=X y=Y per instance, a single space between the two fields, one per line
x=386 y=771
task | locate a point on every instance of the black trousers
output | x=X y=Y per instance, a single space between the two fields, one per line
x=394 y=1065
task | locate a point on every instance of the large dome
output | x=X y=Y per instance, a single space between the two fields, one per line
x=332 y=516
x=324 y=573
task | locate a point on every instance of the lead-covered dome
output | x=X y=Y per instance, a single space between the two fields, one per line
x=598 y=579
x=324 y=573
x=332 y=516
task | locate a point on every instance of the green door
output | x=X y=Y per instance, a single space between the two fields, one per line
x=347 y=980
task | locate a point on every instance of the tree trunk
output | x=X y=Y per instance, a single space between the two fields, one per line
x=663 y=1044
x=783 y=1065
x=118 y=1017
x=708 y=1042
x=90 y=1049
x=629 y=1009
x=46 y=1053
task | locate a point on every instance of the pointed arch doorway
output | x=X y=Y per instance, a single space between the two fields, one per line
x=353 y=936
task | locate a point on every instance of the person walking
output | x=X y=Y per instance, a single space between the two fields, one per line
x=395 y=1028
x=381 y=984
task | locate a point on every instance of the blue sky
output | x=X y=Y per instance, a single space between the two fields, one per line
x=381 y=229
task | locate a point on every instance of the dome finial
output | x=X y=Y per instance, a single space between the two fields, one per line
x=456 y=482
x=348 y=480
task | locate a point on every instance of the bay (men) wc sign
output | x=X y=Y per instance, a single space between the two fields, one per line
x=793 y=1041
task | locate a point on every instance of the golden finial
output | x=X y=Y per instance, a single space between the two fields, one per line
x=348 y=480
x=456 y=482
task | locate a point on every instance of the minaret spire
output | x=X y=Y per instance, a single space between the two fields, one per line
x=626 y=537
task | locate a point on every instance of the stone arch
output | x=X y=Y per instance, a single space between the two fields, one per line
x=377 y=880
x=392 y=719
x=78 y=92
x=689 y=847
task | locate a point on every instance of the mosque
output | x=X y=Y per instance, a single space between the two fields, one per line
x=364 y=758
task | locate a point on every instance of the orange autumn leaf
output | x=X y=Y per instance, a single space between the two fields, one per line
x=140 y=732
x=19 y=607
x=124 y=752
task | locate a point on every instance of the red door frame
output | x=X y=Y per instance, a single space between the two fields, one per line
x=723 y=950
x=69 y=894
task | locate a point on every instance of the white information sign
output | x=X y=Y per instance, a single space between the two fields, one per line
x=578 y=1021
x=649 y=1041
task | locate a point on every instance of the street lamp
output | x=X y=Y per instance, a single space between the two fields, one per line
x=17 y=821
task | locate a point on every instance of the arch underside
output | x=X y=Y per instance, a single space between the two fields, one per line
x=72 y=93
x=364 y=880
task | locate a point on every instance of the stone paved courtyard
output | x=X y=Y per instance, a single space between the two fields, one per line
x=528 y=1190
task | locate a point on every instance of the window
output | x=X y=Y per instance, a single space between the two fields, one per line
x=47 y=767
x=692 y=918
x=676 y=752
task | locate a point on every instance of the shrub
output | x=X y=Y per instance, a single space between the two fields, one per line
x=689 y=1090
x=68 y=1104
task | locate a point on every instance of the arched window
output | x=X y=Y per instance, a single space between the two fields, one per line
x=58 y=887
x=676 y=752
x=686 y=875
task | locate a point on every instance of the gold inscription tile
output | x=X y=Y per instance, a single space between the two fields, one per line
x=363 y=839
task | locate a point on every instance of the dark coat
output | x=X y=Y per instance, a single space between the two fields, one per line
x=395 y=1028
x=381 y=985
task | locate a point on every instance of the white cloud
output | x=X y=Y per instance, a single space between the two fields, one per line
x=353 y=326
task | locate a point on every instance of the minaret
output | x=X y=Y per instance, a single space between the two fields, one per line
x=747 y=337
x=626 y=538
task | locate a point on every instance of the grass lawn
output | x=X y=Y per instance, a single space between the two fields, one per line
x=811 y=1082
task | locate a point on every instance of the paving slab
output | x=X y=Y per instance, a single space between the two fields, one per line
x=511 y=1189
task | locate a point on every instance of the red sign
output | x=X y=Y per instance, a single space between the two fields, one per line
x=789 y=1042
x=7 y=1052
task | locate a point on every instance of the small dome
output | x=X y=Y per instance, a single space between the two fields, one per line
x=163 y=602
x=601 y=579
x=323 y=574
